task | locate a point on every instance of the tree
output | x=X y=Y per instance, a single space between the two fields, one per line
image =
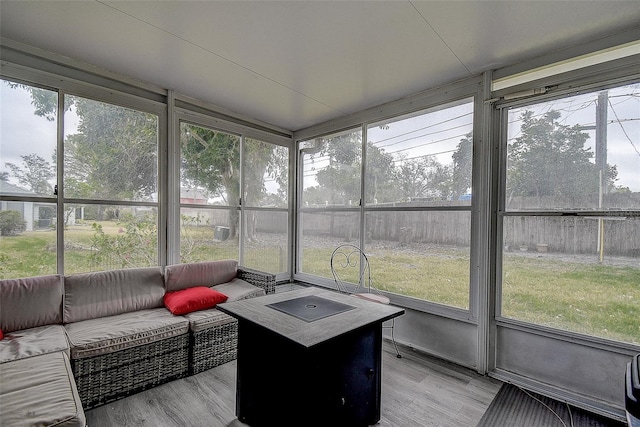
x=278 y=170
x=387 y=179
x=379 y=183
x=45 y=101
x=262 y=159
x=34 y=174
x=550 y=159
x=341 y=178
x=211 y=161
x=114 y=155
x=423 y=177
x=462 y=167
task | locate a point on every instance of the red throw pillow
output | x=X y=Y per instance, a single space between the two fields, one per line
x=1 y=335
x=192 y=299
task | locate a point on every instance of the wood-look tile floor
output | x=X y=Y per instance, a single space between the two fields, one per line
x=417 y=390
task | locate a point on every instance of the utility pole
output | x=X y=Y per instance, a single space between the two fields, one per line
x=601 y=160
x=601 y=138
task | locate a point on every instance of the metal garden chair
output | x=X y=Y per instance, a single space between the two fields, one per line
x=350 y=265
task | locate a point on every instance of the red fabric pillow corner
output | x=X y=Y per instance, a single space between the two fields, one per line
x=1 y=335
x=192 y=299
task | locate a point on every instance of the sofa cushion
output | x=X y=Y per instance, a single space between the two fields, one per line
x=204 y=319
x=40 y=391
x=208 y=273
x=192 y=299
x=33 y=342
x=109 y=293
x=42 y=296
x=105 y=335
x=238 y=289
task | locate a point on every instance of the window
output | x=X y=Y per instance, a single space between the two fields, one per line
x=110 y=185
x=414 y=221
x=28 y=166
x=571 y=224
x=265 y=206
x=329 y=212
x=209 y=193
x=108 y=200
x=418 y=204
x=218 y=219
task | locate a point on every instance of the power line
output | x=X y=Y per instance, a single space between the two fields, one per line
x=424 y=156
x=623 y=129
x=428 y=143
x=423 y=128
x=426 y=134
x=327 y=157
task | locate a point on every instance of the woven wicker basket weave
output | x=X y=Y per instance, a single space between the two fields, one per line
x=267 y=281
x=105 y=378
x=213 y=346
x=217 y=345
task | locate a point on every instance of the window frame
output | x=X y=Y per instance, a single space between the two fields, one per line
x=470 y=90
x=585 y=82
x=198 y=118
x=65 y=87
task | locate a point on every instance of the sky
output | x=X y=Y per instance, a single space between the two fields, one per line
x=21 y=131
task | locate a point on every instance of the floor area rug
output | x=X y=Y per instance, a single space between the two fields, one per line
x=514 y=407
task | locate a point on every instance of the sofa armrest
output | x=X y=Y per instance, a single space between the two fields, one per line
x=267 y=281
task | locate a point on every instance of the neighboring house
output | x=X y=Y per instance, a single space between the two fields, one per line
x=219 y=219
x=193 y=196
x=25 y=208
x=38 y=216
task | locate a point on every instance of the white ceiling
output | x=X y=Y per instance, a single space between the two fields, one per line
x=294 y=64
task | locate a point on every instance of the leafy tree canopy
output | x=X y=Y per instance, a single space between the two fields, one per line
x=551 y=159
x=34 y=173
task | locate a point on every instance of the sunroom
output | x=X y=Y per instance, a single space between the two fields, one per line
x=485 y=156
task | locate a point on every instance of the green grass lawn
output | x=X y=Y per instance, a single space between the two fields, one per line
x=595 y=299
x=580 y=296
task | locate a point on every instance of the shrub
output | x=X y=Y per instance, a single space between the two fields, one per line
x=135 y=245
x=11 y=223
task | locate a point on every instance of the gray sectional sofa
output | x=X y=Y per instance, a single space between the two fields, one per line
x=75 y=342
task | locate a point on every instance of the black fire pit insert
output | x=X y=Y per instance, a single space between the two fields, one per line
x=310 y=308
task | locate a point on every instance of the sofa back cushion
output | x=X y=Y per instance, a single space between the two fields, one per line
x=30 y=302
x=107 y=293
x=208 y=273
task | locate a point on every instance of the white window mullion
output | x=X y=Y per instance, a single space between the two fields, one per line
x=363 y=174
x=60 y=183
x=241 y=202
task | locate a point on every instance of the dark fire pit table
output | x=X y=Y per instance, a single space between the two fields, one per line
x=309 y=357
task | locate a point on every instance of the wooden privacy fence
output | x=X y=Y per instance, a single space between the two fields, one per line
x=574 y=235
x=448 y=228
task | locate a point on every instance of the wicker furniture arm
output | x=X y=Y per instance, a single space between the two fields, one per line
x=267 y=281
x=213 y=346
